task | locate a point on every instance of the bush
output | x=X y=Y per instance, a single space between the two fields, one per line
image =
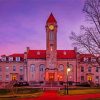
x=4 y=91
x=27 y=90
x=84 y=84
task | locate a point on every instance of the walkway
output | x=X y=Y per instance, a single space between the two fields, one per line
x=52 y=95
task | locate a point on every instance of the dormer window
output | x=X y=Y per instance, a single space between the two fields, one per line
x=17 y=58
x=93 y=60
x=85 y=59
x=38 y=53
x=3 y=59
x=10 y=58
x=64 y=52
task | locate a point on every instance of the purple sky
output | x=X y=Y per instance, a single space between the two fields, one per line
x=22 y=23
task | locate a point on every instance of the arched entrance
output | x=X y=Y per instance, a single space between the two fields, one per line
x=51 y=77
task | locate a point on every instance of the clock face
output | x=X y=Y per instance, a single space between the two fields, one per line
x=51 y=27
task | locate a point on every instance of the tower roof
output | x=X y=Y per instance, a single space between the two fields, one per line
x=51 y=19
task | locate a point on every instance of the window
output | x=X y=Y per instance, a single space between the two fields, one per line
x=7 y=69
x=61 y=67
x=3 y=59
x=89 y=69
x=51 y=36
x=97 y=69
x=82 y=69
x=7 y=77
x=85 y=59
x=21 y=69
x=0 y=77
x=32 y=68
x=10 y=58
x=93 y=59
x=14 y=68
x=41 y=68
x=0 y=68
x=82 y=78
x=97 y=77
x=17 y=58
x=21 y=78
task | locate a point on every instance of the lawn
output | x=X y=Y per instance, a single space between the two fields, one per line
x=7 y=98
x=80 y=91
x=19 y=93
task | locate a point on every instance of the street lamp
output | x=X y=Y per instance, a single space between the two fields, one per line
x=68 y=70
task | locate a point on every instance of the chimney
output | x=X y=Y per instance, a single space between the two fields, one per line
x=75 y=48
x=27 y=48
x=25 y=55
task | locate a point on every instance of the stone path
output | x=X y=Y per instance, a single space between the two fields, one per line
x=53 y=95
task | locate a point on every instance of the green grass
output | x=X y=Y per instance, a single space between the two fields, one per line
x=82 y=91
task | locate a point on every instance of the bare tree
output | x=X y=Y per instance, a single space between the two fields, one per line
x=89 y=38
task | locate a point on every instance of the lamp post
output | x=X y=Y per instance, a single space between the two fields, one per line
x=68 y=70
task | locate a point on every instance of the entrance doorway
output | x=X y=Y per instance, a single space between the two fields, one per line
x=51 y=77
x=14 y=77
x=89 y=78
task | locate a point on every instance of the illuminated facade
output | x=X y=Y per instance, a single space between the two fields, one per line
x=49 y=65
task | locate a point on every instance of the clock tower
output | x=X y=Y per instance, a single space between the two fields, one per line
x=51 y=48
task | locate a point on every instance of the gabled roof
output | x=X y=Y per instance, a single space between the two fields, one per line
x=17 y=55
x=51 y=19
x=66 y=54
x=61 y=54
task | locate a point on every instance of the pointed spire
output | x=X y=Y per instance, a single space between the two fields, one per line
x=51 y=19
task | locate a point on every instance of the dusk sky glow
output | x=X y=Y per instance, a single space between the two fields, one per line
x=22 y=23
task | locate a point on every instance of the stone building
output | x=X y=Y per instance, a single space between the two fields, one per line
x=49 y=65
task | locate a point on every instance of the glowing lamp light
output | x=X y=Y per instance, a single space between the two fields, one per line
x=58 y=76
x=68 y=69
